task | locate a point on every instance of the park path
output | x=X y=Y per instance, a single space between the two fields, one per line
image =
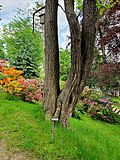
x=6 y=154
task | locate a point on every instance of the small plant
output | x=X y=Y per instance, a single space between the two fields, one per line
x=78 y=110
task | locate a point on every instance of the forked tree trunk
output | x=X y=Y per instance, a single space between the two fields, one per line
x=82 y=49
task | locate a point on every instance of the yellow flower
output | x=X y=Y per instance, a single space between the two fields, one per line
x=10 y=91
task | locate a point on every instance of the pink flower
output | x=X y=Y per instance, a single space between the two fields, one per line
x=27 y=99
x=95 y=112
x=30 y=94
x=33 y=81
x=41 y=97
x=17 y=94
x=84 y=101
x=89 y=103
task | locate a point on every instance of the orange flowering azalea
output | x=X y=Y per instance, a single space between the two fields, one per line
x=11 y=80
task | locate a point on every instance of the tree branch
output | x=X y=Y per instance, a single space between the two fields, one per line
x=61 y=8
x=40 y=9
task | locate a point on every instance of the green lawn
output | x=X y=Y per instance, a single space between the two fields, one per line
x=23 y=129
x=116 y=100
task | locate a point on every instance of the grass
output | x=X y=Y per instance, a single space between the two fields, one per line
x=22 y=126
x=116 y=100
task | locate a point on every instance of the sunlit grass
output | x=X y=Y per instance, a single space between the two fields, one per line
x=22 y=126
x=116 y=100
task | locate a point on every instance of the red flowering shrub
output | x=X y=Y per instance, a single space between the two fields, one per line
x=32 y=90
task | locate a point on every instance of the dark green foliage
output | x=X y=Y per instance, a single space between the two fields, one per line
x=25 y=62
x=24 y=49
x=93 y=78
x=78 y=110
x=64 y=64
x=2 y=53
x=11 y=97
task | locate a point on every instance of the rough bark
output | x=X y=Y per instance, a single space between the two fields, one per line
x=51 y=58
x=88 y=38
x=69 y=94
x=82 y=49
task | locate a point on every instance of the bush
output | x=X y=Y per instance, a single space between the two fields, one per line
x=102 y=111
x=64 y=64
x=10 y=80
x=94 y=105
x=78 y=110
x=91 y=93
x=32 y=90
x=62 y=84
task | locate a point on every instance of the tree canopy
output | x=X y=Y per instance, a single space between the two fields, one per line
x=23 y=48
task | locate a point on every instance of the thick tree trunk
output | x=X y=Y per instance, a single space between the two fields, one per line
x=88 y=38
x=82 y=51
x=51 y=58
x=69 y=95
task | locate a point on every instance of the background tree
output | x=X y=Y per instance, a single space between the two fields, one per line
x=105 y=69
x=104 y=75
x=108 y=77
x=2 y=53
x=64 y=64
x=23 y=48
x=110 y=32
x=93 y=76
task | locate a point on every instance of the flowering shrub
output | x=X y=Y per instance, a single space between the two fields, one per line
x=90 y=97
x=79 y=108
x=32 y=90
x=91 y=93
x=102 y=111
x=94 y=105
x=10 y=80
